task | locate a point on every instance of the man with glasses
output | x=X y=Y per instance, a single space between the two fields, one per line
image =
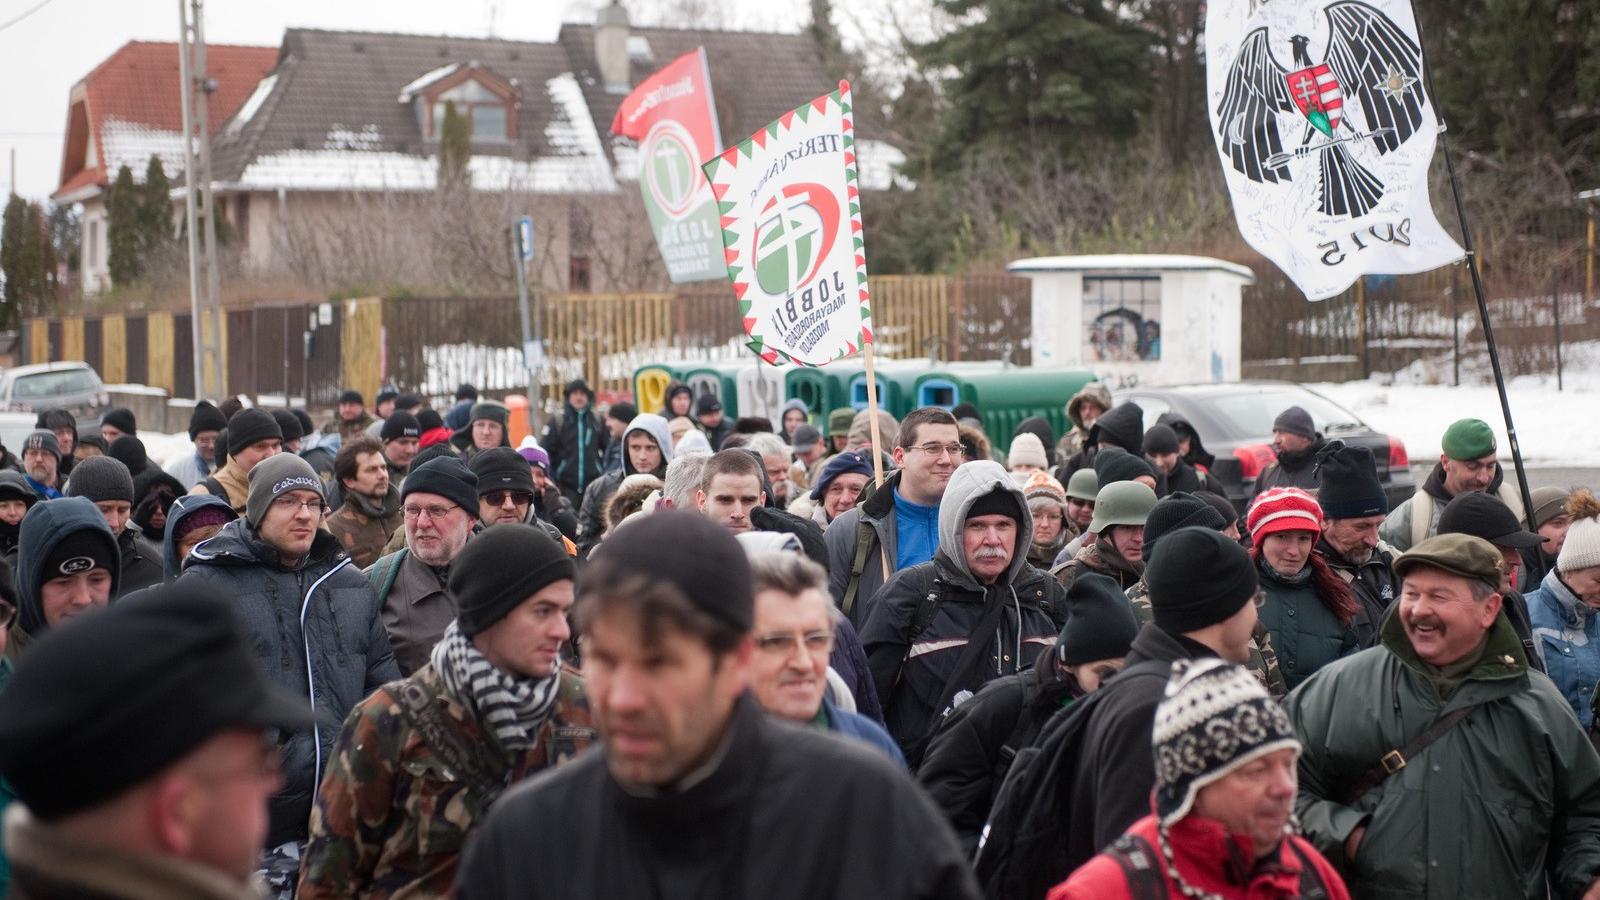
x=896 y=525
x=1467 y=465
x=439 y=509
x=313 y=621
x=169 y=789
x=794 y=635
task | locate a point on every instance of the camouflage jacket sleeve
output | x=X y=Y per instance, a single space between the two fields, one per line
x=350 y=819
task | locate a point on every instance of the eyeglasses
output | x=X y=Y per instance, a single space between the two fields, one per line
x=293 y=505
x=8 y=614
x=938 y=450
x=434 y=512
x=498 y=498
x=783 y=643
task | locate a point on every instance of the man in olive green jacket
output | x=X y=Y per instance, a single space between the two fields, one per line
x=1497 y=801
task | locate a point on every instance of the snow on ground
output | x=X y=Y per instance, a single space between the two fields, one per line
x=1554 y=428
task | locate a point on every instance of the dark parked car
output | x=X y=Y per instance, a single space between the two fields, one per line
x=1234 y=422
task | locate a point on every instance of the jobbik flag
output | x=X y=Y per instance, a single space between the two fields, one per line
x=1321 y=115
x=672 y=116
x=791 y=231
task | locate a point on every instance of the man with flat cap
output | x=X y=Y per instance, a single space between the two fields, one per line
x=695 y=791
x=1437 y=765
x=166 y=796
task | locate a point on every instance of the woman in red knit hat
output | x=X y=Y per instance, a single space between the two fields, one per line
x=1307 y=607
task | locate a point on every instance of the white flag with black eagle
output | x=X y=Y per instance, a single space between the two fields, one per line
x=1325 y=128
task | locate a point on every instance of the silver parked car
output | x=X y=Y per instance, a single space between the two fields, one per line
x=72 y=386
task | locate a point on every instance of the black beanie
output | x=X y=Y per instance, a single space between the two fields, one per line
x=351 y=396
x=385 y=395
x=249 y=426
x=622 y=411
x=120 y=418
x=998 y=502
x=407 y=403
x=487 y=589
x=1179 y=510
x=1114 y=464
x=1295 y=420
x=400 y=425
x=288 y=424
x=1350 y=486
x=1100 y=621
x=101 y=478
x=715 y=577
x=966 y=411
x=1160 y=439
x=502 y=469
x=130 y=450
x=428 y=419
x=305 y=421
x=205 y=417
x=80 y=551
x=1197 y=578
x=427 y=454
x=448 y=477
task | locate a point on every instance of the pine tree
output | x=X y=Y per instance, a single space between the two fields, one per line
x=123 y=228
x=155 y=208
x=66 y=234
x=455 y=150
x=12 y=231
x=1069 y=75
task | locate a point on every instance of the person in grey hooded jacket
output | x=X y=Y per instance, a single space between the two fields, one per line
x=312 y=616
x=918 y=629
x=637 y=456
x=65 y=537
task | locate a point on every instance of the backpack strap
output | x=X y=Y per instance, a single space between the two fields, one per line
x=865 y=535
x=1311 y=884
x=1421 y=516
x=1141 y=867
x=419 y=705
x=214 y=487
x=386 y=581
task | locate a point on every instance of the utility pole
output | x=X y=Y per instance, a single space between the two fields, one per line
x=200 y=214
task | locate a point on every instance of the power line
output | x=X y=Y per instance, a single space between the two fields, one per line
x=30 y=11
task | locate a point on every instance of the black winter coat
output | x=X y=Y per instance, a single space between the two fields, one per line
x=969 y=755
x=343 y=639
x=141 y=562
x=1296 y=469
x=577 y=445
x=1117 y=771
x=788 y=813
x=910 y=671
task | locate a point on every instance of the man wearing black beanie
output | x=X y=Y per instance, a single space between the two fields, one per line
x=1354 y=507
x=496 y=686
x=690 y=763
x=253 y=435
x=105 y=482
x=1202 y=588
x=204 y=425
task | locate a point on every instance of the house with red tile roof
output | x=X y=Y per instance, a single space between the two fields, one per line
x=130 y=108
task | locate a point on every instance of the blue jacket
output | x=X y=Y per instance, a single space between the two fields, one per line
x=181 y=509
x=317 y=631
x=861 y=728
x=1566 y=633
x=45 y=525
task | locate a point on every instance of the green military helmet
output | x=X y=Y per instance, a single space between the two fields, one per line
x=1122 y=503
x=1083 y=485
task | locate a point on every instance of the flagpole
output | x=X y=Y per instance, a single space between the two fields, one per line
x=1477 y=285
x=877 y=443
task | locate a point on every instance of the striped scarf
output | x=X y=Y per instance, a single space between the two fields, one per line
x=514 y=708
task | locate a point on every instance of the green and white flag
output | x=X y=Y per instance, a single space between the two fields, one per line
x=791 y=231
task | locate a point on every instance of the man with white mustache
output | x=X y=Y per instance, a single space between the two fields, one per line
x=1437 y=765
x=940 y=630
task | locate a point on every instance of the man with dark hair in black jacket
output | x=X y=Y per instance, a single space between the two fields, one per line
x=1122 y=426
x=576 y=442
x=695 y=791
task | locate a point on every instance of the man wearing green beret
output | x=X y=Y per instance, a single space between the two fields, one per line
x=1437 y=765
x=1467 y=464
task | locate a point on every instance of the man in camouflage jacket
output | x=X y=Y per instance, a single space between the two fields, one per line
x=421 y=761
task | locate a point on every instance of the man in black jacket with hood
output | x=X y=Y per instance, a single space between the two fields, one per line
x=105 y=482
x=1297 y=443
x=1201 y=590
x=695 y=791
x=68 y=565
x=1122 y=426
x=576 y=442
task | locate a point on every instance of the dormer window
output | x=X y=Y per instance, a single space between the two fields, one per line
x=487 y=101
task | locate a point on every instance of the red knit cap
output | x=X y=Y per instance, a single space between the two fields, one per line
x=1283 y=509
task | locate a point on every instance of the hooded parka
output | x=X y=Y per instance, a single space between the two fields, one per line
x=182 y=508
x=576 y=442
x=591 y=514
x=1485 y=812
x=45 y=526
x=911 y=671
x=316 y=631
x=1122 y=426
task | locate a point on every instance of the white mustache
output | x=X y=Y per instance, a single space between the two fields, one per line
x=990 y=553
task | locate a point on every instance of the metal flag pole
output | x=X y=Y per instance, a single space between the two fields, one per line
x=877 y=443
x=1477 y=285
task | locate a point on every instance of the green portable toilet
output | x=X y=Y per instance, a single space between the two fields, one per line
x=1007 y=396
x=822 y=389
x=719 y=379
x=896 y=386
x=650 y=384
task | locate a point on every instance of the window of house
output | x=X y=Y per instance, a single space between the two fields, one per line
x=1122 y=318
x=487 y=113
x=578 y=275
x=92 y=244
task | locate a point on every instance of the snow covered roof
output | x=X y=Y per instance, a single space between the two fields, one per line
x=1129 y=262
x=329 y=120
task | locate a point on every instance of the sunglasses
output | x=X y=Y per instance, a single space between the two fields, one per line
x=498 y=498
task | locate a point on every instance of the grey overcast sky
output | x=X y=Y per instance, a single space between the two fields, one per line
x=46 y=53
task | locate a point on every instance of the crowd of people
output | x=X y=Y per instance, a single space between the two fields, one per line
x=675 y=653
